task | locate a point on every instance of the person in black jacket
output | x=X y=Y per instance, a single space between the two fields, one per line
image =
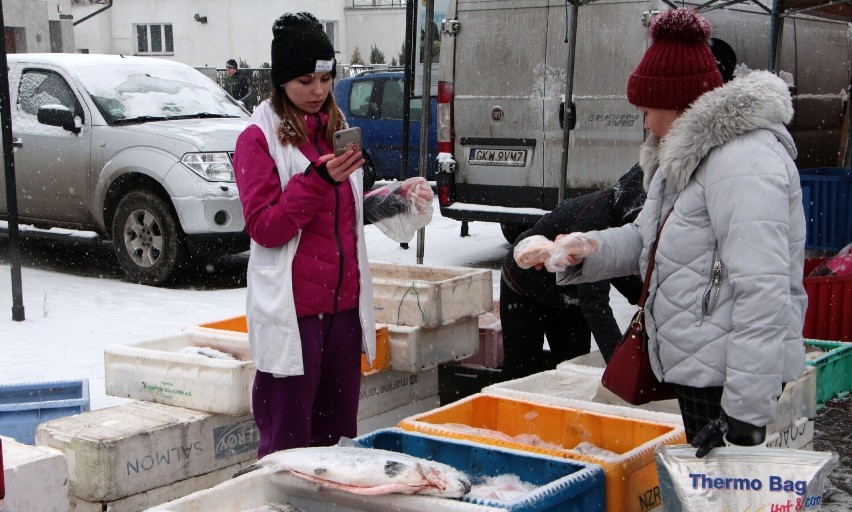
x=240 y=84
x=532 y=305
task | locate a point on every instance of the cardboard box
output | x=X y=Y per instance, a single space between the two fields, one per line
x=36 y=478
x=129 y=449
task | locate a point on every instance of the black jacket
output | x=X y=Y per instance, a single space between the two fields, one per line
x=241 y=87
x=610 y=207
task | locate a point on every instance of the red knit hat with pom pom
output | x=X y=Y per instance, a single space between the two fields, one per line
x=678 y=67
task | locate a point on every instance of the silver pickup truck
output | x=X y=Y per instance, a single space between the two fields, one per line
x=136 y=149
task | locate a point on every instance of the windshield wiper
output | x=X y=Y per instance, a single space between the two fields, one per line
x=140 y=119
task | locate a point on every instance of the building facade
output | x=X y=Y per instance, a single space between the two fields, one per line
x=38 y=26
x=208 y=33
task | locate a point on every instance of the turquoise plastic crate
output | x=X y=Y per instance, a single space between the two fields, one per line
x=561 y=484
x=834 y=368
x=827 y=198
x=24 y=406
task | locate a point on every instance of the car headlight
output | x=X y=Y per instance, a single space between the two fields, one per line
x=210 y=166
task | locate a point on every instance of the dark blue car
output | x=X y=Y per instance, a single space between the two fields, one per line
x=373 y=101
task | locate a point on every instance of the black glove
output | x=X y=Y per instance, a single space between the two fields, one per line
x=725 y=430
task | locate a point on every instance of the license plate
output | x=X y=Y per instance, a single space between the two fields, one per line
x=512 y=157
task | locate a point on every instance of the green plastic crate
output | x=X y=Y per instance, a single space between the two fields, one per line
x=833 y=367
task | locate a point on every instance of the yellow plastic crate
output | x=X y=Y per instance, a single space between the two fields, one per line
x=380 y=362
x=631 y=473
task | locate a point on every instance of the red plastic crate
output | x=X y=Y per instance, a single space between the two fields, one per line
x=829 y=313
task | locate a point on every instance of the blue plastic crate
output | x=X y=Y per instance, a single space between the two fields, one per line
x=562 y=484
x=827 y=198
x=24 y=406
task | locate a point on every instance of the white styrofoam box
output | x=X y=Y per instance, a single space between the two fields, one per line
x=796 y=402
x=575 y=390
x=490 y=353
x=160 y=495
x=798 y=435
x=388 y=390
x=394 y=416
x=576 y=382
x=421 y=295
x=265 y=487
x=155 y=370
x=418 y=348
x=36 y=478
x=120 y=451
x=798 y=399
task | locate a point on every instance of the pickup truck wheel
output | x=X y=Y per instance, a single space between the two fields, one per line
x=511 y=232
x=369 y=172
x=147 y=237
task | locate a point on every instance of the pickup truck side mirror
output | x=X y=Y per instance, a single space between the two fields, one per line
x=58 y=115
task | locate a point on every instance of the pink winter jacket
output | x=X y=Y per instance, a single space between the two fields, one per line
x=325 y=267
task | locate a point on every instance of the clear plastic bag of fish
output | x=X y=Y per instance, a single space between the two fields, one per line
x=742 y=478
x=399 y=209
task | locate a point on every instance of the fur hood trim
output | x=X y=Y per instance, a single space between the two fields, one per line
x=758 y=100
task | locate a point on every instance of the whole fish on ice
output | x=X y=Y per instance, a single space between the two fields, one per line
x=370 y=471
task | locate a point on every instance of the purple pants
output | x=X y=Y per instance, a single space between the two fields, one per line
x=319 y=407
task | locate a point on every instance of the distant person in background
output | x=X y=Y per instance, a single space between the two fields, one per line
x=240 y=84
x=532 y=305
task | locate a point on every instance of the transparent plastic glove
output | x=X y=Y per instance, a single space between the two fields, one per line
x=569 y=250
x=418 y=191
x=532 y=251
x=726 y=431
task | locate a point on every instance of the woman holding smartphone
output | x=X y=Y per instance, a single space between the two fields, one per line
x=310 y=303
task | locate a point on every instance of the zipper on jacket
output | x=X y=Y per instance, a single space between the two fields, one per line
x=336 y=221
x=339 y=247
x=711 y=294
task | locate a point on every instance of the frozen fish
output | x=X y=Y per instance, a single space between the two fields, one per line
x=370 y=471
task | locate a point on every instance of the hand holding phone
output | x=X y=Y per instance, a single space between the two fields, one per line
x=349 y=138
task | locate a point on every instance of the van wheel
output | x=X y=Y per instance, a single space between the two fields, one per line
x=369 y=172
x=511 y=232
x=148 y=240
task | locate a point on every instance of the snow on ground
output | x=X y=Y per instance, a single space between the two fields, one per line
x=76 y=301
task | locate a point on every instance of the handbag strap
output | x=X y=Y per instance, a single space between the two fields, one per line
x=644 y=296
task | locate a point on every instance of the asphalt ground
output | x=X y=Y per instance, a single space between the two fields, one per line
x=833 y=432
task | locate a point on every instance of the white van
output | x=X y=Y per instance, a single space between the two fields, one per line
x=502 y=81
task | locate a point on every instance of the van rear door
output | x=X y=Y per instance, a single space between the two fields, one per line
x=611 y=39
x=509 y=70
x=499 y=85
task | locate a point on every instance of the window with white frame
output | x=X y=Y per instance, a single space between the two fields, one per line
x=331 y=32
x=154 y=39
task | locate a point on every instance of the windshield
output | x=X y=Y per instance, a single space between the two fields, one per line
x=151 y=93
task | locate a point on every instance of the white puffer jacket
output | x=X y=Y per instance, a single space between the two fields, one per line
x=726 y=167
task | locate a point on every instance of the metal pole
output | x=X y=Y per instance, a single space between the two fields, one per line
x=571 y=40
x=408 y=83
x=776 y=32
x=426 y=110
x=11 y=188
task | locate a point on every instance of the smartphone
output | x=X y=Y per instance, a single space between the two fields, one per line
x=346 y=139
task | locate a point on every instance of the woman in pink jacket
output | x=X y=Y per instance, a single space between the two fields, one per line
x=310 y=303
